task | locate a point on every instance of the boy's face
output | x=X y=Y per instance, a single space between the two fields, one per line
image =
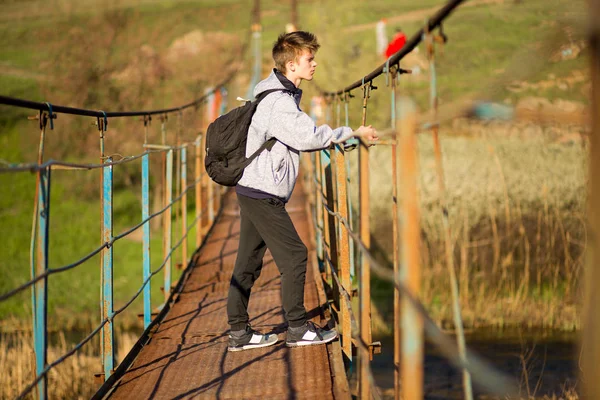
x=304 y=66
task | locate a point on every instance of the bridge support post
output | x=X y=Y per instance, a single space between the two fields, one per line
x=108 y=354
x=39 y=263
x=365 y=271
x=200 y=178
x=318 y=207
x=146 y=241
x=591 y=322
x=184 y=206
x=344 y=250
x=329 y=178
x=324 y=165
x=456 y=310
x=168 y=230
x=395 y=224
x=411 y=369
x=40 y=288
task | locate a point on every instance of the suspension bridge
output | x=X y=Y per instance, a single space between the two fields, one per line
x=182 y=351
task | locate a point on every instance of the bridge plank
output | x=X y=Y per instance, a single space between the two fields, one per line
x=187 y=355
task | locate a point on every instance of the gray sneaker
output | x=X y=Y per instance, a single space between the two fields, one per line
x=309 y=334
x=248 y=338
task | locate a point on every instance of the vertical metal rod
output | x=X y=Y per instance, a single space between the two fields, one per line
x=178 y=186
x=198 y=190
x=102 y=253
x=41 y=287
x=146 y=123
x=350 y=211
x=107 y=271
x=591 y=322
x=166 y=220
x=319 y=207
x=146 y=240
x=38 y=296
x=256 y=49
x=397 y=333
x=211 y=185
x=325 y=162
x=458 y=323
x=344 y=249
x=168 y=232
x=411 y=368
x=204 y=223
x=331 y=222
x=365 y=272
x=294 y=14
x=184 y=206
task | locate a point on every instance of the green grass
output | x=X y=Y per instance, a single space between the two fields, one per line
x=74 y=233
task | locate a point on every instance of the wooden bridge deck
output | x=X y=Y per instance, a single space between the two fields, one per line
x=187 y=356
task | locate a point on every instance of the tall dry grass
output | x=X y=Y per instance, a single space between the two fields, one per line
x=517 y=216
x=72 y=379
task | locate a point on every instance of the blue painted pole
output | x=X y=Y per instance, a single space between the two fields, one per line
x=316 y=157
x=146 y=239
x=108 y=355
x=40 y=288
x=168 y=233
x=325 y=162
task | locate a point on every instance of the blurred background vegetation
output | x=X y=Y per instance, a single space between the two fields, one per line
x=517 y=188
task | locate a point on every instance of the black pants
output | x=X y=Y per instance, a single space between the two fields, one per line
x=266 y=223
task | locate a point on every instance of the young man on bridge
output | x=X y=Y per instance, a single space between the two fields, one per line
x=265 y=188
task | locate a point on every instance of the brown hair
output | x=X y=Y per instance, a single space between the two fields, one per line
x=290 y=45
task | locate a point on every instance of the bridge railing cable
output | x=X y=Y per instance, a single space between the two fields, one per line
x=173 y=175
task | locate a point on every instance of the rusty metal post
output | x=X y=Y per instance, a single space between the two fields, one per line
x=365 y=272
x=396 y=330
x=184 y=244
x=198 y=189
x=210 y=195
x=456 y=311
x=331 y=221
x=344 y=249
x=591 y=321
x=411 y=369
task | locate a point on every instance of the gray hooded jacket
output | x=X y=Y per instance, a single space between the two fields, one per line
x=278 y=115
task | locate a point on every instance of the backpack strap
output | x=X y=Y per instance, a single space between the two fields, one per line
x=269 y=143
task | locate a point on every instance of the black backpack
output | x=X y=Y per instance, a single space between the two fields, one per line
x=226 y=143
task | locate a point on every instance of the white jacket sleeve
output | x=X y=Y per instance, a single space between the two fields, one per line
x=297 y=130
